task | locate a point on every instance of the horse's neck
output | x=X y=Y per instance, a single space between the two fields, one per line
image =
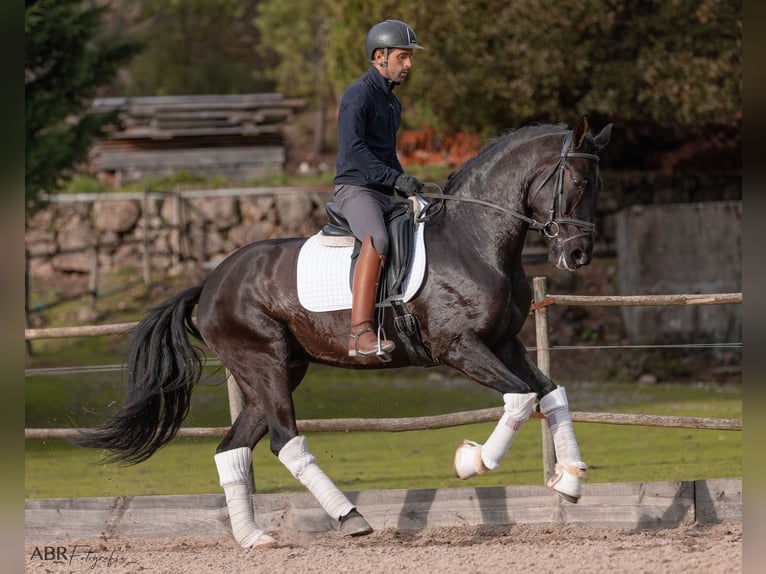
x=497 y=235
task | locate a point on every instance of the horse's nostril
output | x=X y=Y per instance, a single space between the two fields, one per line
x=579 y=257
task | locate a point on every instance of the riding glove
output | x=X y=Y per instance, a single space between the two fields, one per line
x=406 y=185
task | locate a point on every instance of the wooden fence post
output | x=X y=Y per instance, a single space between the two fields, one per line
x=176 y=232
x=236 y=402
x=539 y=288
x=145 y=251
x=93 y=279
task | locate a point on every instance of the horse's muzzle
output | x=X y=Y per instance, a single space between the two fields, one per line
x=571 y=256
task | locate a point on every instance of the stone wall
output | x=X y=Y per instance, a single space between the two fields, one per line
x=202 y=227
x=205 y=226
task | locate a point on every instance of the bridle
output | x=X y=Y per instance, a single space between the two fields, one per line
x=552 y=227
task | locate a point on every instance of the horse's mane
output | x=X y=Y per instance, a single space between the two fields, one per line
x=501 y=144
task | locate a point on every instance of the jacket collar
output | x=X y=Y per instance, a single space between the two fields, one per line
x=379 y=80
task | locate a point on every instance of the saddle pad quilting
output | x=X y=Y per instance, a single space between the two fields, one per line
x=323 y=274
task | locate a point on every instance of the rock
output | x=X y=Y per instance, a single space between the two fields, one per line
x=221 y=212
x=116 y=216
x=72 y=262
x=257 y=208
x=295 y=210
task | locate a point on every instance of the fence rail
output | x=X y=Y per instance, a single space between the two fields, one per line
x=543 y=300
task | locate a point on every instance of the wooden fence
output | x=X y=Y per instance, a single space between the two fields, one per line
x=540 y=309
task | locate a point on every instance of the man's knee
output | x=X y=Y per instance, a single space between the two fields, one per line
x=380 y=243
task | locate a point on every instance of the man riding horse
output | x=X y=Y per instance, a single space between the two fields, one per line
x=368 y=171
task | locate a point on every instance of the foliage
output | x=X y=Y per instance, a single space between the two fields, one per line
x=197 y=47
x=493 y=65
x=66 y=59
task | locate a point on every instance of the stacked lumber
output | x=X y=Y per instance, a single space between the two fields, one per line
x=238 y=136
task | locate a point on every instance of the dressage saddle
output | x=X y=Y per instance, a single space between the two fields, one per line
x=400 y=221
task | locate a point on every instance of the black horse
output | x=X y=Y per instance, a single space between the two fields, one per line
x=470 y=308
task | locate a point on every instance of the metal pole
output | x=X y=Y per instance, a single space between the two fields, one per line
x=539 y=288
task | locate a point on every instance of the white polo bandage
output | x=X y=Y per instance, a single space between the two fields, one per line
x=233 y=472
x=555 y=407
x=303 y=466
x=517 y=410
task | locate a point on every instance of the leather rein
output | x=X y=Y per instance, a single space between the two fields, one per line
x=551 y=228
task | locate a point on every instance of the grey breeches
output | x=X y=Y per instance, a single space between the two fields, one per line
x=363 y=208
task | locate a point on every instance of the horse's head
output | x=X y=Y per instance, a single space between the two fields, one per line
x=565 y=197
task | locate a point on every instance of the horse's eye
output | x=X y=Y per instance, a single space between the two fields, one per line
x=580 y=183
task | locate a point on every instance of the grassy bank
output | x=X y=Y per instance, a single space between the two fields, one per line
x=361 y=461
x=356 y=461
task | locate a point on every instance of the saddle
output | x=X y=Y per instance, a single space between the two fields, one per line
x=400 y=221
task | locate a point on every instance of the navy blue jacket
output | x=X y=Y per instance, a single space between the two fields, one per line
x=368 y=119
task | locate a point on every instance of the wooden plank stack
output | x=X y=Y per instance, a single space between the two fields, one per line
x=236 y=136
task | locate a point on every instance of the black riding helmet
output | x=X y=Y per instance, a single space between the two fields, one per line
x=390 y=34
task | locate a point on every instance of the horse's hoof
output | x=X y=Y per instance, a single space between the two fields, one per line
x=568 y=498
x=567 y=481
x=263 y=541
x=468 y=461
x=354 y=524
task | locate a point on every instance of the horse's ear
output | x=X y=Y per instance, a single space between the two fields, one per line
x=603 y=137
x=580 y=132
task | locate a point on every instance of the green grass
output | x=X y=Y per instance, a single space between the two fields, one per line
x=362 y=461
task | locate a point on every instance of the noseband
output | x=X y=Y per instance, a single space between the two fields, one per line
x=551 y=228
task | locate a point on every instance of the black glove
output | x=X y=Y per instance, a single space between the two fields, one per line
x=407 y=185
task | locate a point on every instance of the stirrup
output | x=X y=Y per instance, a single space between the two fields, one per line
x=380 y=352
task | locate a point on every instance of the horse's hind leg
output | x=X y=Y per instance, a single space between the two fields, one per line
x=234 y=464
x=233 y=460
x=267 y=384
x=303 y=466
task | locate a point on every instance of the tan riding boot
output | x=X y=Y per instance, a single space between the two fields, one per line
x=363 y=340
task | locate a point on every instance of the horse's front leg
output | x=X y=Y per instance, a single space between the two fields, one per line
x=570 y=470
x=474 y=359
x=510 y=370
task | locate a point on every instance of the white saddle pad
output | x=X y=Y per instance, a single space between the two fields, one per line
x=323 y=274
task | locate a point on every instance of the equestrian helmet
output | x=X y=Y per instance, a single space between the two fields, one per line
x=390 y=34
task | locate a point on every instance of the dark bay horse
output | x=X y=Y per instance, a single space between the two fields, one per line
x=470 y=308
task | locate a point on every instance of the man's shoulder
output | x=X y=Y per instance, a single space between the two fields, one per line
x=360 y=91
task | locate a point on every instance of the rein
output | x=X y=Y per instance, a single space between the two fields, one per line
x=552 y=227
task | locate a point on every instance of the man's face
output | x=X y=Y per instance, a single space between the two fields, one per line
x=399 y=63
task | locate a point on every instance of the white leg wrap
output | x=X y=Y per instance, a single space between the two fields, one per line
x=570 y=470
x=233 y=468
x=472 y=458
x=517 y=410
x=303 y=466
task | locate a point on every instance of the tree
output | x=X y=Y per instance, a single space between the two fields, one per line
x=197 y=47
x=66 y=60
x=294 y=34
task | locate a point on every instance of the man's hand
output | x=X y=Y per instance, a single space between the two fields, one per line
x=406 y=185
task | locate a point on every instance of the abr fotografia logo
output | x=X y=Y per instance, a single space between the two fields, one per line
x=74 y=555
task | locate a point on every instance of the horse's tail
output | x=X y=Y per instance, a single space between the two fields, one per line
x=162 y=367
